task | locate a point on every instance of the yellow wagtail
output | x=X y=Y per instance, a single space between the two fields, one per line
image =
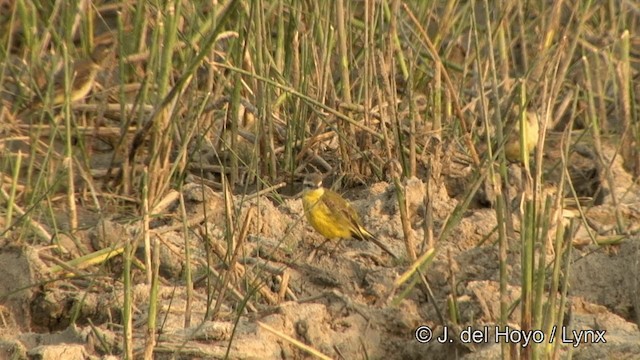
x=331 y=215
x=532 y=128
x=83 y=76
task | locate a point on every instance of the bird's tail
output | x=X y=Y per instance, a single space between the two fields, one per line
x=362 y=234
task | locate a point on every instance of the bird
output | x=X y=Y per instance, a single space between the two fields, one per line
x=83 y=76
x=532 y=129
x=333 y=216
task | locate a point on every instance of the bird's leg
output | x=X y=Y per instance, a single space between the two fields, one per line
x=338 y=243
x=315 y=250
x=321 y=247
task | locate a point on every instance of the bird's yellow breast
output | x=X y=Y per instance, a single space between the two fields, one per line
x=323 y=219
x=531 y=133
x=81 y=84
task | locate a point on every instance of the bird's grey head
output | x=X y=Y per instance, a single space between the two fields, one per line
x=101 y=52
x=312 y=181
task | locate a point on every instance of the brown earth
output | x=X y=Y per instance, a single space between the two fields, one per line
x=338 y=301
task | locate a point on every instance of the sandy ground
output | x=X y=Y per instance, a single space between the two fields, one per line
x=340 y=301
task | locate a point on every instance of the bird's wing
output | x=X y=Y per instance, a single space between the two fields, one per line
x=341 y=208
x=343 y=212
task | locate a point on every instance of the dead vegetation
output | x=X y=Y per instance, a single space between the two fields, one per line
x=157 y=217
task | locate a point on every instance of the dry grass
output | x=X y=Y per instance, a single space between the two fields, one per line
x=244 y=95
